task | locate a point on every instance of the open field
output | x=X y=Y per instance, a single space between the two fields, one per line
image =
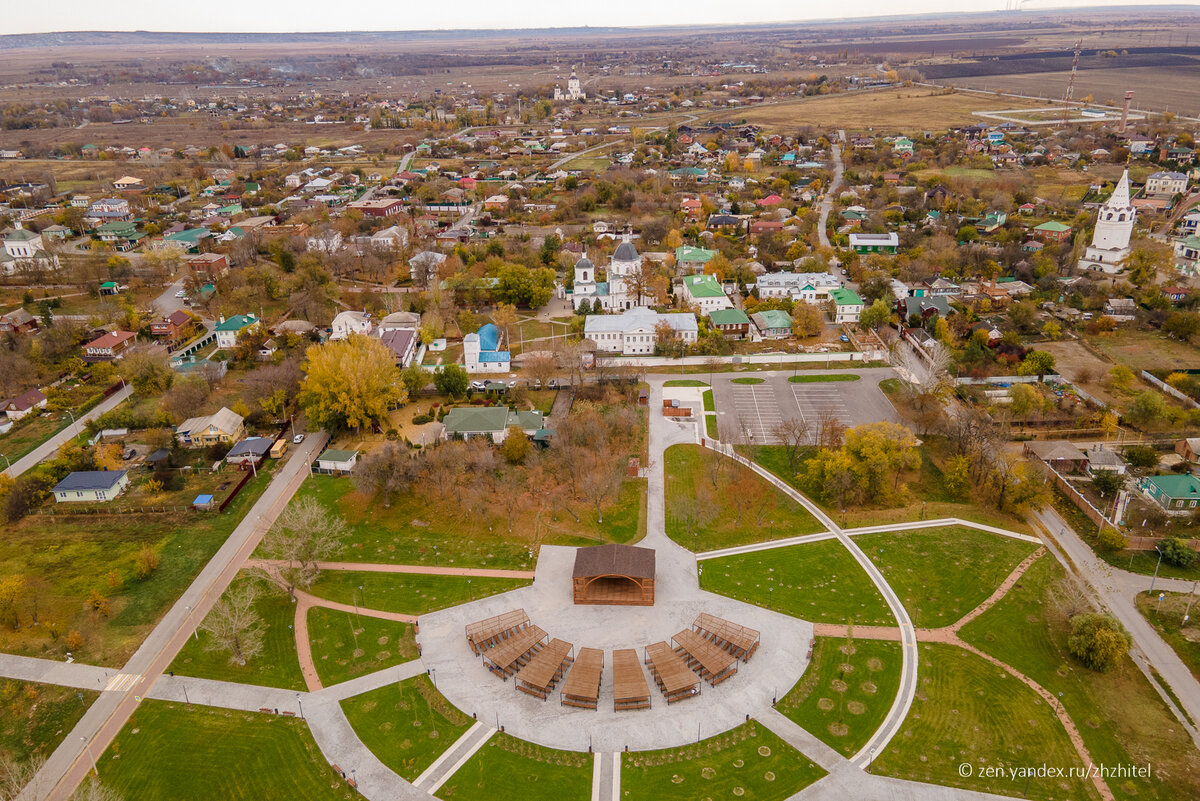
x=1144 y=350
x=818 y=581
x=35 y=718
x=1121 y=718
x=276 y=666
x=942 y=574
x=847 y=691
x=345 y=646
x=407 y=593
x=750 y=758
x=1159 y=88
x=969 y=711
x=718 y=503
x=911 y=109
x=407 y=725
x=510 y=768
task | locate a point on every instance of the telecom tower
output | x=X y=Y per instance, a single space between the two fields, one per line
x=1074 y=69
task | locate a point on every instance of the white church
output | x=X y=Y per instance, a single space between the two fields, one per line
x=615 y=293
x=1114 y=227
x=574 y=89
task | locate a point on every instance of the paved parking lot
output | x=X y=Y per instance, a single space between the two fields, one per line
x=751 y=412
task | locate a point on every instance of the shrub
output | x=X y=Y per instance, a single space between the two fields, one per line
x=421 y=419
x=147 y=563
x=1175 y=551
x=1111 y=539
x=1099 y=641
x=1142 y=456
x=74 y=641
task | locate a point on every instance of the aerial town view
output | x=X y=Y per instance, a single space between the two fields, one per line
x=634 y=402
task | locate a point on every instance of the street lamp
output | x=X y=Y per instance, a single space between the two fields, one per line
x=88 y=746
x=7 y=462
x=871 y=762
x=68 y=411
x=301 y=704
x=1156 y=567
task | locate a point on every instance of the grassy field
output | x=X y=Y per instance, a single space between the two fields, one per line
x=408 y=593
x=172 y=752
x=726 y=512
x=710 y=426
x=65 y=559
x=817 y=581
x=339 y=656
x=942 y=574
x=1121 y=718
x=846 y=692
x=968 y=711
x=709 y=403
x=510 y=768
x=914 y=109
x=407 y=725
x=1146 y=350
x=822 y=379
x=1167 y=618
x=750 y=758
x=409 y=533
x=276 y=666
x=35 y=718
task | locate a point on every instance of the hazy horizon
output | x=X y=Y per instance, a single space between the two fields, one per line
x=310 y=16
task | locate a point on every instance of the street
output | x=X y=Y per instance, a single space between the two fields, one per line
x=47 y=448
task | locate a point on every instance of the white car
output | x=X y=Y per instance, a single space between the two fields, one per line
x=296 y=440
x=181 y=294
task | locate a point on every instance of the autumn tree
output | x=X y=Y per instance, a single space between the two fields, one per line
x=234 y=625
x=876 y=315
x=807 y=320
x=415 y=378
x=386 y=471
x=303 y=536
x=1098 y=640
x=515 y=446
x=350 y=383
x=1036 y=362
x=505 y=316
x=540 y=367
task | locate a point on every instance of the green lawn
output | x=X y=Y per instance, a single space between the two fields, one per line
x=407 y=726
x=942 y=574
x=846 y=692
x=750 y=758
x=1167 y=618
x=820 y=379
x=714 y=491
x=710 y=426
x=709 y=403
x=410 y=532
x=276 y=666
x=172 y=752
x=510 y=768
x=968 y=711
x=35 y=718
x=818 y=581
x=408 y=593
x=1122 y=719
x=345 y=646
x=749 y=379
x=65 y=559
x=685 y=382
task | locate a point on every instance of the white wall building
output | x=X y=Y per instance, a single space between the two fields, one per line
x=808 y=287
x=1114 y=227
x=350 y=322
x=614 y=294
x=633 y=333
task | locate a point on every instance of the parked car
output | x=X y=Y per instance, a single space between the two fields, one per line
x=129 y=453
x=181 y=294
x=478 y=386
x=296 y=440
x=553 y=383
x=845 y=338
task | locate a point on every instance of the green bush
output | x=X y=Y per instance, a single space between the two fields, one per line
x=421 y=419
x=1175 y=551
x=1142 y=456
x=1112 y=540
x=1099 y=641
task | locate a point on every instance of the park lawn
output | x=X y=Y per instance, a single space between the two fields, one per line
x=277 y=665
x=340 y=656
x=1167 y=619
x=66 y=558
x=685 y=382
x=750 y=757
x=818 y=581
x=36 y=718
x=690 y=490
x=968 y=711
x=748 y=379
x=709 y=403
x=1120 y=716
x=172 y=752
x=821 y=379
x=506 y=767
x=408 y=593
x=411 y=532
x=942 y=574
x=407 y=726
x=846 y=692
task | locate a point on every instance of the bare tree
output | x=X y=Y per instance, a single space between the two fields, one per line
x=386 y=471
x=793 y=435
x=93 y=790
x=601 y=475
x=234 y=625
x=304 y=535
x=829 y=429
x=541 y=367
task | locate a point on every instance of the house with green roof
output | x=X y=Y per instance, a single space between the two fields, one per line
x=1176 y=493
x=772 y=323
x=733 y=323
x=1052 y=231
x=228 y=330
x=336 y=461
x=186 y=241
x=491 y=422
x=704 y=292
x=121 y=235
x=690 y=259
x=848 y=306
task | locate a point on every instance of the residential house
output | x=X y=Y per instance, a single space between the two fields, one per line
x=129 y=184
x=691 y=259
x=1187 y=254
x=1060 y=455
x=732 y=323
x=772 y=323
x=228 y=330
x=491 y=422
x=1189 y=449
x=337 y=461
x=875 y=243
x=1175 y=493
x=121 y=235
x=1123 y=310
x=108 y=209
x=482 y=354
x=423 y=267
x=1166 y=184
x=208 y=266
x=848 y=306
x=24 y=250
x=110 y=346
x=1052 y=231
x=808 y=287
x=1100 y=459
x=925 y=307
x=389 y=240
x=223 y=426
x=171 y=326
x=402 y=342
x=634 y=332
x=24 y=404
x=378 y=207
x=703 y=292
x=249 y=450
x=18 y=321
x=350 y=322
x=91 y=485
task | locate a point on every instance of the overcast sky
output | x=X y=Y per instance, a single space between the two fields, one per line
x=393 y=15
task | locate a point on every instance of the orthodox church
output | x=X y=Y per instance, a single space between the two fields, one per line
x=614 y=294
x=1114 y=227
x=574 y=89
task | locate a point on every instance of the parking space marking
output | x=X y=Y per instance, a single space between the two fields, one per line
x=814 y=401
x=757 y=410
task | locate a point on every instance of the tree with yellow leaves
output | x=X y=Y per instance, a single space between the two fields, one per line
x=350 y=383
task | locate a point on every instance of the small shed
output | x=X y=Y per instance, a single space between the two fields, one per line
x=204 y=502
x=335 y=461
x=614 y=575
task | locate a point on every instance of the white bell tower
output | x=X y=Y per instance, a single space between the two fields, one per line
x=1114 y=227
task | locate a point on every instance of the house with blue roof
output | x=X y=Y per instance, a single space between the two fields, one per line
x=482 y=354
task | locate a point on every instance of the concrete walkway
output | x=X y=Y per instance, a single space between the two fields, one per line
x=50 y=446
x=454 y=758
x=49 y=671
x=606 y=777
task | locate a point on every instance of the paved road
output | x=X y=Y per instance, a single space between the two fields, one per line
x=1115 y=589
x=69 y=764
x=834 y=185
x=47 y=448
x=166 y=303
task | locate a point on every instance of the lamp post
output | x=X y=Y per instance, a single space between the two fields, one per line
x=88 y=747
x=7 y=462
x=1191 y=597
x=871 y=762
x=300 y=702
x=1156 y=567
x=68 y=411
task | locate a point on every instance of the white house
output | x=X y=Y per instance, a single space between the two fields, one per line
x=335 y=461
x=23 y=405
x=482 y=354
x=423 y=267
x=1166 y=184
x=808 y=287
x=634 y=332
x=848 y=306
x=24 y=250
x=350 y=322
x=91 y=485
x=704 y=292
x=227 y=330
